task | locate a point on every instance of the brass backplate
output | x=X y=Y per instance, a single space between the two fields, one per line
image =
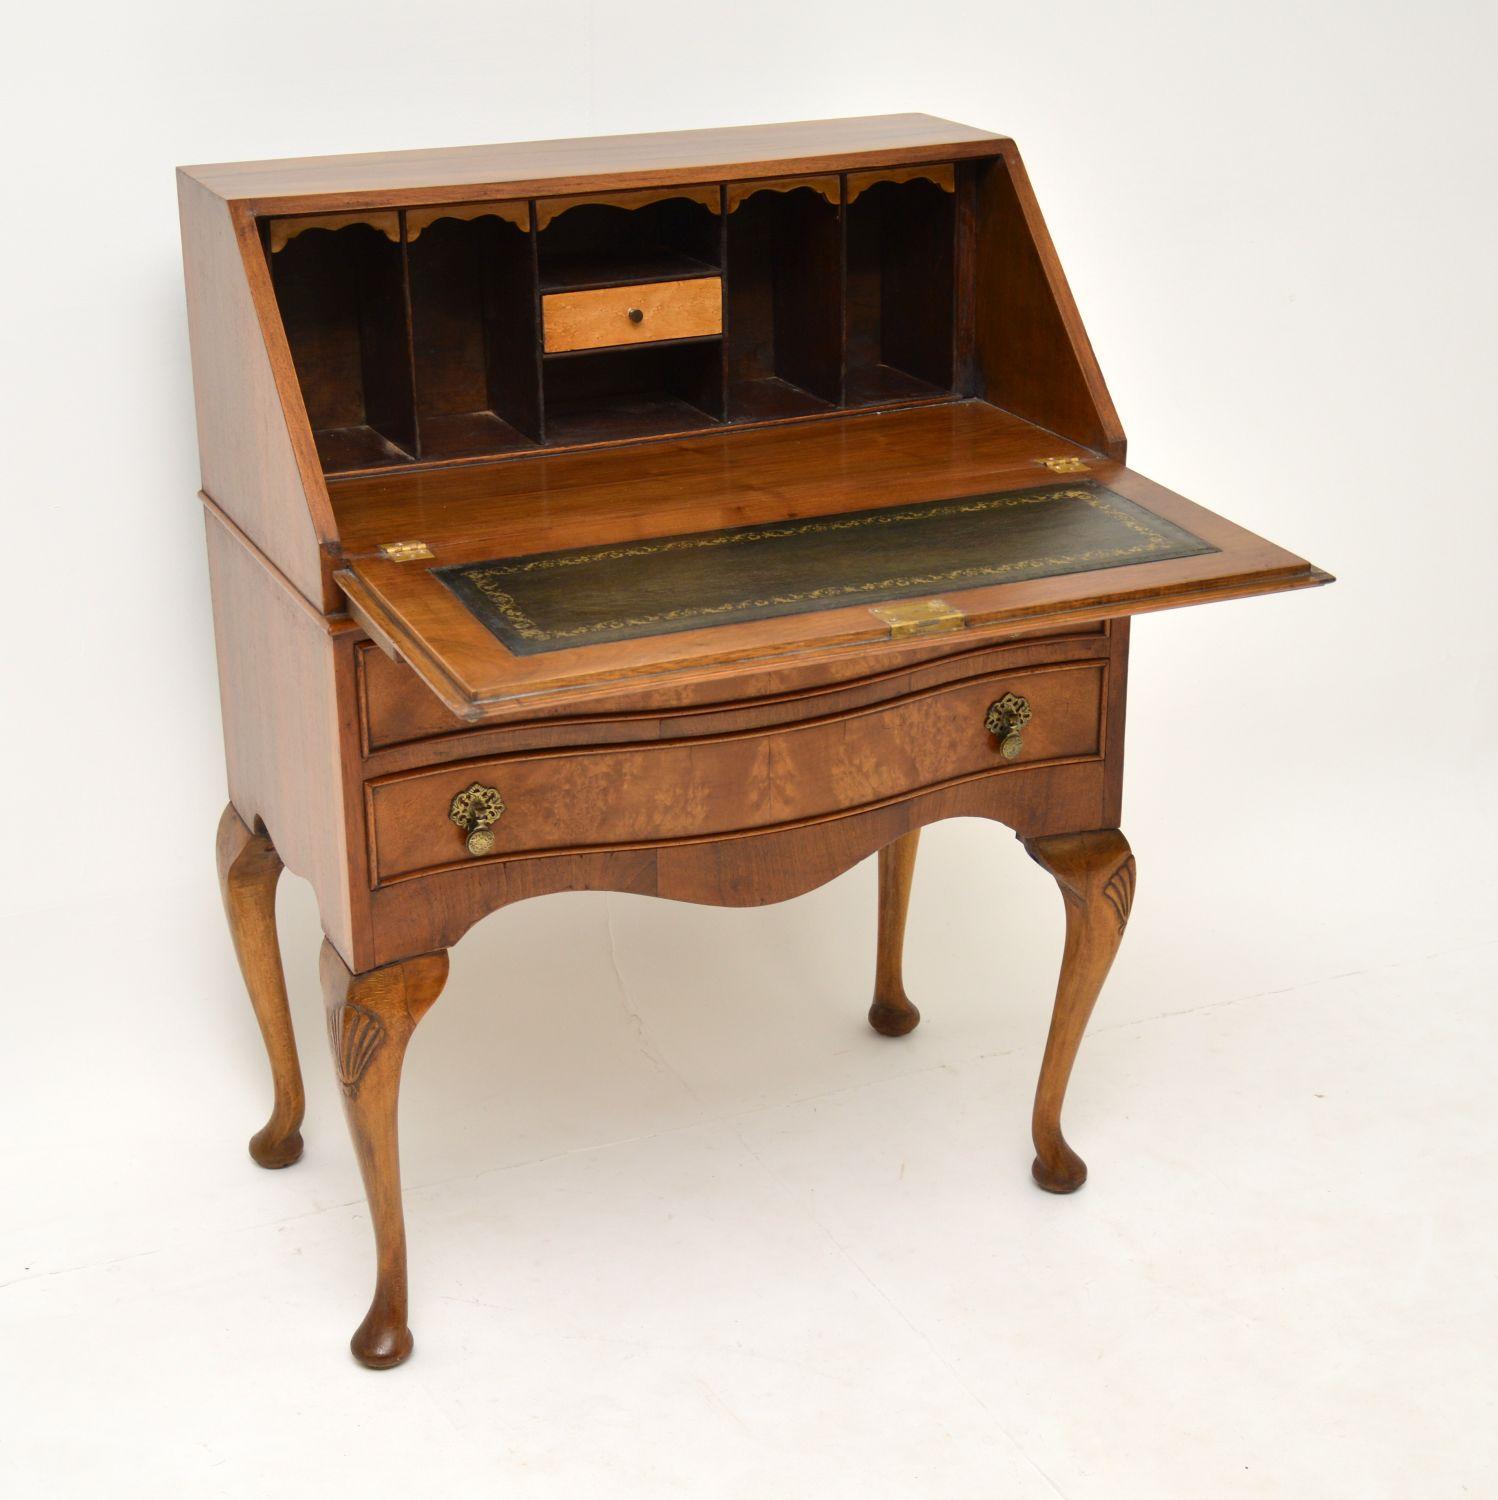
x=920 y=617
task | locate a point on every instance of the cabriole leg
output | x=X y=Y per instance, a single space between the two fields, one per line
x=370 y=1019
x=1096 y=874
x=892 y=1014
x=248 y=869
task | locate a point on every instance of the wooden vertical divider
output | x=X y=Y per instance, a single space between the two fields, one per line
x=965 y=376
x=726 y=342
x=842 y=289
x=410 y=359
x=538 y=332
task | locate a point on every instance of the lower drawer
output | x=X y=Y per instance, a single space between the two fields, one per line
x=674 y=791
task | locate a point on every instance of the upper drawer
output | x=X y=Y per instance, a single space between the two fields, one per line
x=720 y=785
x=399 y=712
x=632 y=314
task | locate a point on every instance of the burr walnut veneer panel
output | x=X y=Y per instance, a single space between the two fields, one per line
x=699 y=789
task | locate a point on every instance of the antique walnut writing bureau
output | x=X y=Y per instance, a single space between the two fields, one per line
x=690 y=514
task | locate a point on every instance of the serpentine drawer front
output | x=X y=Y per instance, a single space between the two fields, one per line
x=632 y=314
x=398 y=711
x=678 y=791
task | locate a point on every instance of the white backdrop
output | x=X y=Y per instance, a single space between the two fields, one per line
x=1278 y=223
x=1278 y=220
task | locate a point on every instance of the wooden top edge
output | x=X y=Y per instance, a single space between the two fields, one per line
x=528 y=168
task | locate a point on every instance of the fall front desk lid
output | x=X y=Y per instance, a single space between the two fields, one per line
x=553 y=601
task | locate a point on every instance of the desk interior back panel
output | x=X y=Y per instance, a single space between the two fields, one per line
x=784 y=294
x=343 y=299
x=900 y=288
x=473 y=335
x=419 y=336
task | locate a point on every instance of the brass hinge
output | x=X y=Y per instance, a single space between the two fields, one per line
x=404 y=551
x=1064 y=465
x=920 y=617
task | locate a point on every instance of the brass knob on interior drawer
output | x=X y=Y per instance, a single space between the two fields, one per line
x=474 y=809
x=636 y=315
x=1007 y=719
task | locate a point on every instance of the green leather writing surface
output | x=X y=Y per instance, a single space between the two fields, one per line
x=588 y=595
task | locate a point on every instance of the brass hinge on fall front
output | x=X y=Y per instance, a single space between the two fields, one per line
x=1064 y=465
x=404 y=551
x=920 y=617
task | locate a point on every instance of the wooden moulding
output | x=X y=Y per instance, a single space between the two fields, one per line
x=707 y=194
x=943 y=175
x=515 y=211
x=830 y=187
x=283 y=231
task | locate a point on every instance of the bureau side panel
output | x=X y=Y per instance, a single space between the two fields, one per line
x=1033 y=355
x=286 y=683
x=258 y=462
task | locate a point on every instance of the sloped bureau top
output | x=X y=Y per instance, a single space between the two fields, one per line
x=401 y=178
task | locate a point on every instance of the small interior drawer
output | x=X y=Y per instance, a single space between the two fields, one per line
x=644 y=314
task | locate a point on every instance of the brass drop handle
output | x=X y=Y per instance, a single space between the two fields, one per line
x=475 y=809
x=1007 y=719
x=636 y=315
